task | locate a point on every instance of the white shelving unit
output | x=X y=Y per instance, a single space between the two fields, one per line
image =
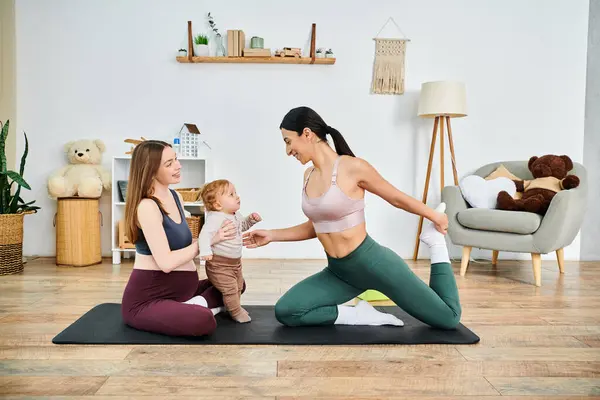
x=194 y=173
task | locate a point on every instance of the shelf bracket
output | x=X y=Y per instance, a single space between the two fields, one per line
x=190 y=46
x=312 y=43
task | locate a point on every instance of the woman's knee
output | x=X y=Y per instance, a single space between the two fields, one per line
x=286 y=313
x=202 y=324
x=450 y=322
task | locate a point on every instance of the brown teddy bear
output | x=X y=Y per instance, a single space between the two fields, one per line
x=550 y=177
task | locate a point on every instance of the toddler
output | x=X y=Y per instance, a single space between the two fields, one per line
x=223 y=260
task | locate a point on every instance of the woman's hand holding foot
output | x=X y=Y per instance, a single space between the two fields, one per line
x=440 y=220
x=433 y=236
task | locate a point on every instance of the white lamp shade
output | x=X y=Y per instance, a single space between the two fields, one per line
x=442 y=98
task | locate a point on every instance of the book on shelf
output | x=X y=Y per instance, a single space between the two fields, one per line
x=230 y=35
x=236 y=42
x=241 y=42
x=248 y=52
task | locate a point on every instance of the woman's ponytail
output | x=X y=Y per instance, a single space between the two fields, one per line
x=341 y=147
x=304 y=117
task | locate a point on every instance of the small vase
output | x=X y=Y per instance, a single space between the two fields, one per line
x=220 y=47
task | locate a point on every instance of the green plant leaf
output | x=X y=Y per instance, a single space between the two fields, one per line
x=17 y=178
x=4 y=194
x=24 y=156
x=201 y=39
x=3 y=137
x=14 y=204
x=26 y=204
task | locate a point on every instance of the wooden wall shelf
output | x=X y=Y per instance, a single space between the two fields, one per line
x=312 y=59
x=258 y=60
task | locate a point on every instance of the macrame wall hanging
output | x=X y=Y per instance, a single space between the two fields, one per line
x=388 y=68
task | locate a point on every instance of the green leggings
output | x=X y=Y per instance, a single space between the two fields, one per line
x=314 y=300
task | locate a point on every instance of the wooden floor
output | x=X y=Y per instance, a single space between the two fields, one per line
x=536 y=343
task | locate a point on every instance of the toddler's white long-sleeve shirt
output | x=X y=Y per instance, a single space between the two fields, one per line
x=231 y=248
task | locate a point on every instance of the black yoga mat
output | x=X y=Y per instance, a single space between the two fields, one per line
x=103 y=325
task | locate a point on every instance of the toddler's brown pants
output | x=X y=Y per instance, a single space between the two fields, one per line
x=226 y=275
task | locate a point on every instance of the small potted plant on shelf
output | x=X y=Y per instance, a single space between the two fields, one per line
x=182 y=53
x=320 y=53
x=329 y=54
x=201 y=46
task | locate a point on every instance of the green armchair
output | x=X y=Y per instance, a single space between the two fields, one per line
x=515 y=231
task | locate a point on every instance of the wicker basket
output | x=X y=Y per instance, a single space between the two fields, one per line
x=189 y=194
x=11 y=243
x=194 y=222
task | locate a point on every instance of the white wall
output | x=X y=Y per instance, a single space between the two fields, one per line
x=106 y=69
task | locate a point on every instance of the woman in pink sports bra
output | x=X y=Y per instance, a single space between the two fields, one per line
x=333 y=201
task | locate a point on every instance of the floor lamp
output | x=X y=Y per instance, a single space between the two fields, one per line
x=440 y=100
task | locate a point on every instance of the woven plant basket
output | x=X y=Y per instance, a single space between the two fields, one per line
x=194 y=223
x=11 y=243
x=189 y=195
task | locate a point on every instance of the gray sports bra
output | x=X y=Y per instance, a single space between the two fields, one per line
x=178 y=235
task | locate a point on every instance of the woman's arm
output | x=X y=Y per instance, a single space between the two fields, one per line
x=262 y=237
x=150 y=219
x=296 y=233
x=370 y=180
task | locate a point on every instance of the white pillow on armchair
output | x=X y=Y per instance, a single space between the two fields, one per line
x=482 y=193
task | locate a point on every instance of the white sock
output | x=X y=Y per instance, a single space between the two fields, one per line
x=364 y=314
x=197 y=300
x=438 y=251
x=217 y=310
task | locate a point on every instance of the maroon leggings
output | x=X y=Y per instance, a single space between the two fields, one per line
x=153 y=301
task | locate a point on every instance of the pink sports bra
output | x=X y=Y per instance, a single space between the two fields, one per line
x=333 y=211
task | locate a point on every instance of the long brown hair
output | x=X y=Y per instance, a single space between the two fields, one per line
x=145 y=162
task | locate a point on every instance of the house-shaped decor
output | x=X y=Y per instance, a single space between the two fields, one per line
x=190 y=141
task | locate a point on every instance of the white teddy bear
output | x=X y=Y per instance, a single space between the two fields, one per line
x=84 y=176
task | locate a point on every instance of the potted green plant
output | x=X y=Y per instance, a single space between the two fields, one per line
x=201 y=46
x=12 y=209
x=182 y=53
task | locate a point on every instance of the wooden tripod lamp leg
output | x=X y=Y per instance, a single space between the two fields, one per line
x=442 y=153
x=426 y=188
x=451 y=143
